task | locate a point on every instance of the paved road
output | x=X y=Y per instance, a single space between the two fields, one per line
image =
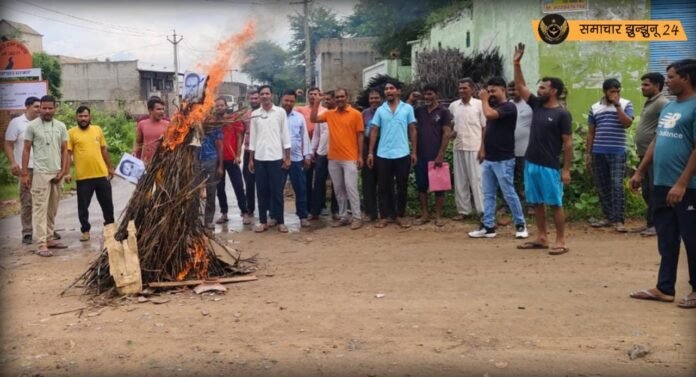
x=68 y=225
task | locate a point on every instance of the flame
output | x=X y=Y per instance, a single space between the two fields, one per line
x=227 y=50
x=199 y=262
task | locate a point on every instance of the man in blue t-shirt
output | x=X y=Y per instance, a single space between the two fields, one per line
x=394 y=124
x=673 y=158
x=605 y=156
x=210 y=158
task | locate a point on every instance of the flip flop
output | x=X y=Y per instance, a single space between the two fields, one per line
x=439 y=223
x=647 y=295
x=260 y=228
x=282 y=228
x=56 y=245
x=403 y=223
x=687 y=303
x=532 y=245
x=381 y=223
x=44 y=252
x=420 y=221
x=556 y=250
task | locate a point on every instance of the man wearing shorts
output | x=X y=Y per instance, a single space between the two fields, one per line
x=551 y=132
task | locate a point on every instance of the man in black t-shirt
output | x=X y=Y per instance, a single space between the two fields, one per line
x=498 y=158
x=551 y=132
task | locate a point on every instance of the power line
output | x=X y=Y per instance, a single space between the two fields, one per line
x=113 y=26
x=129 y=49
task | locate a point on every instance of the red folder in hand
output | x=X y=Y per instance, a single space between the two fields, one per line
x=439 y=177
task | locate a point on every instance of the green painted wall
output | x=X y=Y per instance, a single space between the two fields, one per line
x=583 y=66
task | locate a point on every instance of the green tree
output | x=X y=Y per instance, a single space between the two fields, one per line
x=395 y=22
x=51 y=71
x=268 y=63
x=323 y=23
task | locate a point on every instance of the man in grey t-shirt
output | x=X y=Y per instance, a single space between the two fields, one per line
x=522 y=130
x=651 y=87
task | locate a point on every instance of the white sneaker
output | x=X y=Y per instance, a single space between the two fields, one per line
x=521 y=231
x=483 y=232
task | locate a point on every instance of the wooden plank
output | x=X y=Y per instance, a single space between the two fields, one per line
x=171 y=284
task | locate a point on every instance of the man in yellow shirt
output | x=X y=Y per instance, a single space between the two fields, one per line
x=93 y=170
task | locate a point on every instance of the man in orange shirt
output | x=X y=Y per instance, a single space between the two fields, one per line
x=345 y=155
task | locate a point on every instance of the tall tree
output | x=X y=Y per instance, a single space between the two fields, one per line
x=323 y=23
x=268 y=63
x=395 y=22
x=51 y=71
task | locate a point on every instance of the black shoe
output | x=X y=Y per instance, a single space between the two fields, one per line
x=56 y=236
x=26 y=239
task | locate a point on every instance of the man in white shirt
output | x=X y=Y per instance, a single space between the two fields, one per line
x=469 y=122
x=14 y=144
x=269 y=152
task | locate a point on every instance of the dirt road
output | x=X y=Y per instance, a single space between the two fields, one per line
x=447 y=306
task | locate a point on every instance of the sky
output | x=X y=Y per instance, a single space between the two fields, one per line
x=138 y=30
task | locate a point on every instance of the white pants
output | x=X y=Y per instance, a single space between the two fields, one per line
x=467 y=182
x=344 y=178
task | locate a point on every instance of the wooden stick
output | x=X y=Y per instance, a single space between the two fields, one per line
x=69 y=311
x=170 y=284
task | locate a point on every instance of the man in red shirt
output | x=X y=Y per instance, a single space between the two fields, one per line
x=149 y=131
x=232 y=136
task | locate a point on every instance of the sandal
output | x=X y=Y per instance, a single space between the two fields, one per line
x=44 y=252
x=558 y=250
x=223 y=219
x=421 y=221
x=381 y=223
x=532 y=245
x=260 y=228
x=282 y=228
x=647 y=294
x=688 y=302
x=403 y=222
x=56 y=245
x=439 y=223
x=600 y=223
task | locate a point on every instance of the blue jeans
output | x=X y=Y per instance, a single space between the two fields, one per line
x=235 y=174
x=269 y=184
x=494 y=174
x=298 y=179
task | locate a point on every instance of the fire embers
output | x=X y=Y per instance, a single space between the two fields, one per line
x=198 y=262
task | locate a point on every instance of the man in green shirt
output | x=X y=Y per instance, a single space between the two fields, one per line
x=651 y=87
x=48 y=139
x=673 y=158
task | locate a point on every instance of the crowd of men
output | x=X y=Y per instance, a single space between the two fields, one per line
x=506 y=140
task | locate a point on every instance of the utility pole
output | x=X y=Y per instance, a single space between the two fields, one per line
x=175 y=42
x=308 y=54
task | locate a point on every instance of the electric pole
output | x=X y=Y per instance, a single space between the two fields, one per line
x=308 y=43
x=175 y=42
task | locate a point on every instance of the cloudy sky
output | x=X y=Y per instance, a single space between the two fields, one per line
x=129 y=29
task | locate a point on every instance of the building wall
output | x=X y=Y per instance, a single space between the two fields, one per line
x=340 y=62
x=108 y=85
x=33 y=42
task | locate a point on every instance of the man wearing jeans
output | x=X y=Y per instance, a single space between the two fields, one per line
x=210 y=158
x=469 y=121
x=345 y=155
x=232 y=134
x=300 y=155
x=498 y=156
x=673 y=158
x=369 y=175
x=608 y=120
x=651 y=88
x=48 y=139
x=313 y=95
x=269 y=158
x=14 y=144
x=393 y=124
x=93 y=170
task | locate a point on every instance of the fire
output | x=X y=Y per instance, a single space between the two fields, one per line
x=199 y=262
x=228 y=50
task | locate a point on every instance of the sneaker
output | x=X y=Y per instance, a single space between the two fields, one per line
x=356 y=224
x=84 y=237
x=521 y=231
x=620 y=227
x=483 y=232
x=246 y=219
x=305 y=223
x=26 y=239
x=648 y=232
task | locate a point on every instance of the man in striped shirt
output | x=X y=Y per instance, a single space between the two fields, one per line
x=608 y=121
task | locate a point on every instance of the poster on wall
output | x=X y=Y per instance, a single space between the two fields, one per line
x=561 y=6
x=13 y=94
